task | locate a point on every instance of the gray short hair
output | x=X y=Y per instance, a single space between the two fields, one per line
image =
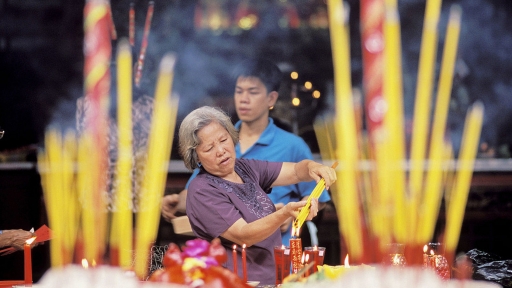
x=193 y=123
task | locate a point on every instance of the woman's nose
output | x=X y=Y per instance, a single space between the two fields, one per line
x=220 y=150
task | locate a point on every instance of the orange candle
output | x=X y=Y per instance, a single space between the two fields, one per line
x=296 y=253
x=244 y=264
x=235 y=267
x=27 y=250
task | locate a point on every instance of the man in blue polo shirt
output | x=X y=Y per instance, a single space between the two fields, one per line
x=256 y=92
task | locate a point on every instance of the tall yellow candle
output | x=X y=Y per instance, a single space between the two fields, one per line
x=423 y=96
x=432 y=198
x=124 y=223
x=465 y=161
x=346 y=135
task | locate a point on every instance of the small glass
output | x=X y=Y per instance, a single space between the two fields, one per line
x=282 y=261
x=395 y=255
x=311 y=255
x=321 y=255
x=433 y=258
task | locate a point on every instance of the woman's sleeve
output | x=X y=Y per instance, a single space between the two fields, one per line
x=210 y=211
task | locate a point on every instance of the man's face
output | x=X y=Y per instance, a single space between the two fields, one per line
x=252 y=100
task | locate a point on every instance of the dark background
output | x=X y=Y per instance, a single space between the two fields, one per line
x=41 y=60
x=41 y=77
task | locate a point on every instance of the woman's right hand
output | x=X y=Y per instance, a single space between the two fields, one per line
x=293 y=208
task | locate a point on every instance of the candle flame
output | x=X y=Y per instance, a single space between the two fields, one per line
x=396 y=260
x=234 y=247
x=432 y=252
x=30 y=240
x=346 y=262
x=295 y=231
x=85 y=264
x=243 y=246
x=425 y=249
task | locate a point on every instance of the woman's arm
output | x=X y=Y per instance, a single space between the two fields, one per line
x=305 y=170
x=242 y=232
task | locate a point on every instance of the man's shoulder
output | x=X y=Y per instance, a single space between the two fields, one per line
x=289 y=138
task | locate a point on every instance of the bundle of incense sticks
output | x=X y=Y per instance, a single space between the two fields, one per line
x=386 y=202
x=73 y=170
x=317 y=191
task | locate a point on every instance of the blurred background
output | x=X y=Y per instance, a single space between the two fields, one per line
x=41 y=78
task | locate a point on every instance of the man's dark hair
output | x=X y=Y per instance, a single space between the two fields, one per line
x=268 y=72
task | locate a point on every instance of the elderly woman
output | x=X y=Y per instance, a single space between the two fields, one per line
x=228 y=197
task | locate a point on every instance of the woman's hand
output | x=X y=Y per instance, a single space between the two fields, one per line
x=293 y=208
x=318 y=171
x=313 y=209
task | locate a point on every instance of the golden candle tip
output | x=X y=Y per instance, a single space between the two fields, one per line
x=168 y=62
x=124 y=45
x=455 y=13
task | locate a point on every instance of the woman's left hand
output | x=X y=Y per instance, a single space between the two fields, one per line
x=318 y=171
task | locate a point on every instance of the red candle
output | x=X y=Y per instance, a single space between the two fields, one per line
x=244 y=264
x=235 y=267
x=28 y=261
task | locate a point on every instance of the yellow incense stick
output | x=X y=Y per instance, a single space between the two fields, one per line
x=70 y=199
x=346 y=135
x=159 y=146
x=124 y=222
x=466 y=159
x=422 y=101
x=394 y=122
x=433 y=186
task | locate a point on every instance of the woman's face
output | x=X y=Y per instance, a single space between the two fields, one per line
x=217 y=150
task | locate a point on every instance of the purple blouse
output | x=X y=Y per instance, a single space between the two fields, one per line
x=214 y=204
